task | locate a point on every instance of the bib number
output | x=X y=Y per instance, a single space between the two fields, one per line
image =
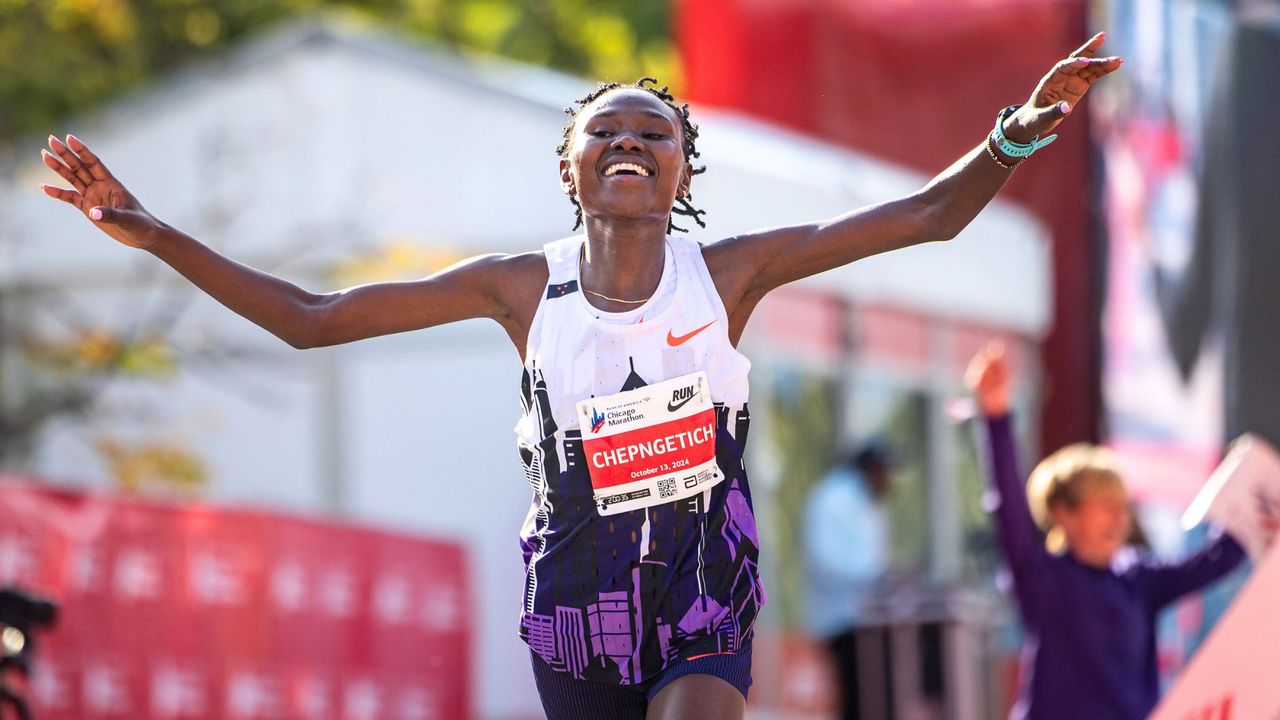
x=651 y=445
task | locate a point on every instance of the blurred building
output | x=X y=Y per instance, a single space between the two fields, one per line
x=1190 y=343
x=331 y=155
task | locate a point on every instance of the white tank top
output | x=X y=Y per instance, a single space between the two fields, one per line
x=672 y=578
x=591 y=352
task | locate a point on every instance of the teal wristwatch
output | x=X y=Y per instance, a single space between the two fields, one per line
x=1009 y=147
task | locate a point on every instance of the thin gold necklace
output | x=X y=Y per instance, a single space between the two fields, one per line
x=581 y=255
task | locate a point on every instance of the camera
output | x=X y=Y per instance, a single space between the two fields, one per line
x=20 y=613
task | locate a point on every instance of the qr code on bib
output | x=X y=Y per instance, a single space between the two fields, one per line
x=666 y=487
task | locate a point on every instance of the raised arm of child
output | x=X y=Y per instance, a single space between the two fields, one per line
x=989 y=380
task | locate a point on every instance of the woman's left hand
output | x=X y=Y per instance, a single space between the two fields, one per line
x=1059 y=91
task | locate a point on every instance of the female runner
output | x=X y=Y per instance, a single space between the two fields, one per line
x=641 y=551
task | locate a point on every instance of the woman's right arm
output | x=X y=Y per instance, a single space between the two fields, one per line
x=479 y=287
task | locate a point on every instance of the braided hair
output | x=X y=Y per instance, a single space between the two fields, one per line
x=689 y=132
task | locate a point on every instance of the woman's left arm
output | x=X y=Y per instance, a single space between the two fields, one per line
x=767 y=259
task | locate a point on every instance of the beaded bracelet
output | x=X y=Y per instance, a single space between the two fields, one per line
x=995 y=157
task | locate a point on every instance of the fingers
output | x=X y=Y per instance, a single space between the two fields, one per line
x=1069 y=80
x=1088 y=68
x=997 y=365
x=1061 y=73
x=63 y=171
x=70 y=197
x=1092 y=69
x=1102 y=66
x=95 y=166
x=97 y=213
x=1069 y=67
x=990 y=357
x=71 y=159
x=1089 y=48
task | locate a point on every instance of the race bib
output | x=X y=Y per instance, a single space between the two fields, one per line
x=651 y=445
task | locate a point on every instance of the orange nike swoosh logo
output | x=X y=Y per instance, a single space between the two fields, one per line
x=674 y=340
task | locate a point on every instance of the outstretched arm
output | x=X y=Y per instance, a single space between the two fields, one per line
x=989 y=379
x=1170 y=582
x=480 y=287
x=938 y=211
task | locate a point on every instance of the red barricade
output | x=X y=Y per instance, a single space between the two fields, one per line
x=172 y=611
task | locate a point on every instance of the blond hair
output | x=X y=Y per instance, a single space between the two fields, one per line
x=1061 y=480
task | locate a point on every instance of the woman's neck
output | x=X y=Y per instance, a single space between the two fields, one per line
x=622 y=260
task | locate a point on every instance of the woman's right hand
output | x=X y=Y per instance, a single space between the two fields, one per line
x=98 y=194
x=989 y=380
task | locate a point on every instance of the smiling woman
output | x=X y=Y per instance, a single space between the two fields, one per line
x=684 y=131
x=640 y=547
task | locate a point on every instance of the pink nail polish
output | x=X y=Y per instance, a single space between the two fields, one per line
x=95 y=214
x=1064 y=107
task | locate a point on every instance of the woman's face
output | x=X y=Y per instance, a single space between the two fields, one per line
x=1098 y=526
x=626 y=157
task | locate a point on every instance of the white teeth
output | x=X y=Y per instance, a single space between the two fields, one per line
x=618 y=167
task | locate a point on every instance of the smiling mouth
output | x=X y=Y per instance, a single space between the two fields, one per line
x=626 y=169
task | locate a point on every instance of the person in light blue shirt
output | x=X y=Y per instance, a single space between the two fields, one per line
x=846 y=544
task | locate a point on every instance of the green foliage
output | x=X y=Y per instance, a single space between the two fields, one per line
x=65 y=56
x=906 y=426
x=805 y=441
x=982 y=555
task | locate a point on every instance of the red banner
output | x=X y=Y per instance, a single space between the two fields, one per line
x=194 y=612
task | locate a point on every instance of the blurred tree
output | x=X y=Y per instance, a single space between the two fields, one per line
x=805 y=439
x=65 y=56
x=63 y=360
x=64 y=376
x=401 y=258
x=906 y=428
